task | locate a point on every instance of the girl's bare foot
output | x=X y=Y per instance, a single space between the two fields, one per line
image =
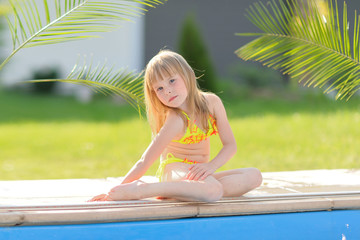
x=127 y=191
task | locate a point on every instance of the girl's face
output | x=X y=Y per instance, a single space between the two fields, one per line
x=171 y=91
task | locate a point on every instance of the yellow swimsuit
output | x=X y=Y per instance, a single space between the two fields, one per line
x=192 y=135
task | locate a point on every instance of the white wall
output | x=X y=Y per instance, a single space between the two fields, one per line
x=122 y=48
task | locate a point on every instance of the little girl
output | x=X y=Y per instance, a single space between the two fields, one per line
x=182 y=119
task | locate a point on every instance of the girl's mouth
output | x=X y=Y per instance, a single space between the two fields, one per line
x=171 y=99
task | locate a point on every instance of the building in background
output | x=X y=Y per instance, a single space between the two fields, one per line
x=133 y=44
x=219 y=21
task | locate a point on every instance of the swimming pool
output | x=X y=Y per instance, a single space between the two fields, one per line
x=327 y=225
x=289 y=205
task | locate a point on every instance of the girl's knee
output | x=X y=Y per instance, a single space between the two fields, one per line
x=214 y=192
x=256 y=176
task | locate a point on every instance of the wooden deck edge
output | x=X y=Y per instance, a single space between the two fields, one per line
x=173 y=211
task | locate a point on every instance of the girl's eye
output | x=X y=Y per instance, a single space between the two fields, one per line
x=159 y=89
x=172 y=80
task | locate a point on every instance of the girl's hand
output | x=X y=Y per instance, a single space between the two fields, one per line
x=100 y=198
x=200 y=171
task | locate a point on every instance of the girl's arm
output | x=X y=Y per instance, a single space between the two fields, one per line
x=201 y=171
x=173 y=126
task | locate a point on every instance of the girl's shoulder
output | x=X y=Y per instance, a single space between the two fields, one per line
x=213 y=101
x=173 y=117
x=211 y=97
x=174 y=122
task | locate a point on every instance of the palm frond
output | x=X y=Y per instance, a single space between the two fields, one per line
x=304 y=42
x=54 y=21
x=4 y=9
x=105 y=80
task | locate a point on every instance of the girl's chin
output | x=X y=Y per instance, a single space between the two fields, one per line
x=173 y=105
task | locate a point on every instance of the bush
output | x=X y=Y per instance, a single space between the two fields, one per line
x=192 y=48
x=255 y=76
x=45 y=87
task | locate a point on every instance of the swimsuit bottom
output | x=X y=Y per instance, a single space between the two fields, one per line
x=170 y=159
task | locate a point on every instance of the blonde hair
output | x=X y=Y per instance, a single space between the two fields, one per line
x=167 y=63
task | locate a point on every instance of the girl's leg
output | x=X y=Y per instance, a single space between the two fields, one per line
x=208 y=190
x=237 y=182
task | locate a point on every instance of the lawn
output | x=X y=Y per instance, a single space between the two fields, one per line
x=51 y=137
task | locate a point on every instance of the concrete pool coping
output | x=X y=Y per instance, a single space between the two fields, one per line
x=49 y=202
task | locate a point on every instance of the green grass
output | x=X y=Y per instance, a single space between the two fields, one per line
x=44 y=137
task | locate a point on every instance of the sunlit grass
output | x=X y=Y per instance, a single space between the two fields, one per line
x=298 y=141
x=46 y=137
x=71 y=149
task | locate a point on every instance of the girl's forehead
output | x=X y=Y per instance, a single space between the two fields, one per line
x=162 y=75
x=159 y=81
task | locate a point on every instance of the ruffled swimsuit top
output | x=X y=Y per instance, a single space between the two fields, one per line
x=194 y=134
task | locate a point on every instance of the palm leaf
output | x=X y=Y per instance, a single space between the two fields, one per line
x=300 y=40
x=54 y=21
x=105 y=80
x=4 y=8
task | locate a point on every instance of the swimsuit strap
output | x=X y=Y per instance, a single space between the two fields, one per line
x=211 y=120
x=169 y=155
x=187 y=116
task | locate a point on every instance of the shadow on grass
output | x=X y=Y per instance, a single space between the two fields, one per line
x=287 y=103
x=23 y=107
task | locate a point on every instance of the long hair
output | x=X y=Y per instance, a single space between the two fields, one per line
x=163 y=65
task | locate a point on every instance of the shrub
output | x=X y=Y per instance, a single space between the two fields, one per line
x=45 y=87
x=192 y=48
x=255 y=76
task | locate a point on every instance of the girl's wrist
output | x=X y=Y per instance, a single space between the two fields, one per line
x=214 y=165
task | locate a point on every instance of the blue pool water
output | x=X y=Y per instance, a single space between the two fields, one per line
x=327 y=225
